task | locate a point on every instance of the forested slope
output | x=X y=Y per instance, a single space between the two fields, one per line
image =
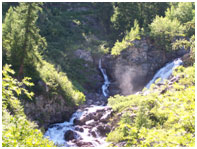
x=57 y=47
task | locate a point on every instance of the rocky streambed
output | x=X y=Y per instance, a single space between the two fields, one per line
x=87 y=127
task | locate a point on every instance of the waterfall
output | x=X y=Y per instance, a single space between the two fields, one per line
x=106 y=80
x=88 y=135
x=165 y=72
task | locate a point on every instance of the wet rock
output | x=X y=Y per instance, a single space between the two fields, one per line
x=93 y=133
x=84 y=144
x=81 y=121
x=106 y=116
x=69 y=135
x=77 y=122
x=89 y=102
x=96 y=115
x=135 y=66
x=103 y=129
x=80 y=129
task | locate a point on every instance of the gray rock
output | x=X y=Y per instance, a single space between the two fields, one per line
x=69 y=135
x=103 y=129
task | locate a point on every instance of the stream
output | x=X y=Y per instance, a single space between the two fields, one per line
x=88 y=125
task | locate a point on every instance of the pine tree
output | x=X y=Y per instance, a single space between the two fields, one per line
x=21 y=38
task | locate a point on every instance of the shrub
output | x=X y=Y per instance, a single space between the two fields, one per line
x=127 y=40
x=163 y=31
x=59 y=83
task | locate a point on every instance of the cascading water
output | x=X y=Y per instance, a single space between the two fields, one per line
x=89 y=136
x=56 y=132
x=165 y=72
x=106 y=80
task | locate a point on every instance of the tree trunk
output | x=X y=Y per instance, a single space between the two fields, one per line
x=20 y=73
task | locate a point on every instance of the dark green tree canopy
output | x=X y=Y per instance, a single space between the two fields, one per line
x=21 y=38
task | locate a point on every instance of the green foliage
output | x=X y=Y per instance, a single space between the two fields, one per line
x=155 y=119
x=187 y=45
x=59 y=83
x=184 y=12
x=126 y=13
x=11 y=88
x=23 y=45
x=163 y=30
x=17 y=131
x=21 y=38
x=72 y=26
x=127 y=40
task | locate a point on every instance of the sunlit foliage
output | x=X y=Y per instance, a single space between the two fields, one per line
x=17 y=131
x=163 y=30
x=158 y=119
x=127 y=40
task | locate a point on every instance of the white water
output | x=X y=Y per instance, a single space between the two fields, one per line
x=106 y=80
x=56 y=132
x=165 y=72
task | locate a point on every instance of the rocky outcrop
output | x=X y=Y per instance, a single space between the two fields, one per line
x=46 y=109
x=134 y=67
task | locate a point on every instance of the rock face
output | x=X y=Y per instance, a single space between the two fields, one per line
x=45 y=110
x=134 y=67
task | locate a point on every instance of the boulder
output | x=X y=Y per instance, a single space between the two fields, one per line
x=81 y=121
x=80 y=129
x=69 y=135
x=103 y=129
x=94 y=134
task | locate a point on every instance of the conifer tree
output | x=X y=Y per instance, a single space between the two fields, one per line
x=21 y=38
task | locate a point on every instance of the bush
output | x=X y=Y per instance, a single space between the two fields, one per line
x=127 y=40
x=163 y=31
x=184 y=12
x=60 y=84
